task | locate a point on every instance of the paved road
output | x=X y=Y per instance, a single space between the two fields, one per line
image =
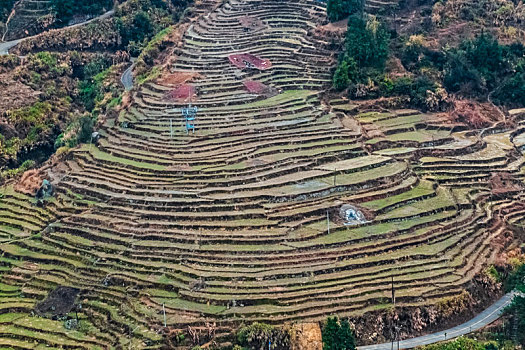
x=485 y=318
x=7 y=45
x=127 y=76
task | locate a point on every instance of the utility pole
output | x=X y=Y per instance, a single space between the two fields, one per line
x=393 y=292
x=328 y=221
x=164 y=312
x=397 y=329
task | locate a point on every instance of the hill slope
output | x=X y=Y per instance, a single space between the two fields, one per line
x=247 y=218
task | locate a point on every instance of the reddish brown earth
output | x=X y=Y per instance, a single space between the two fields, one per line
x=246 y=60
x=182 y=92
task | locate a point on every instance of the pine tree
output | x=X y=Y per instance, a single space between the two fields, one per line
x=330 y=333
x=345 y=337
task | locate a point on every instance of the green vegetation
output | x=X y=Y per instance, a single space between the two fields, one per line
x=90 y=90
x=474 y=68
x=463 y=344
x=257 y=336
x=32 y=125
x=65 y=10
x=337 y=335
x=26 y=165
x=139 y=21
x=339 y=9
x=365 y=54
x=481 y=67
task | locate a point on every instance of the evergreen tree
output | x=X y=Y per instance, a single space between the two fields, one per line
x=339 y=9
x=338 y=335
x=367 y=42
x=329 y=333
x=345 y=337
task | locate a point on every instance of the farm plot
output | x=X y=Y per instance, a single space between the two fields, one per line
x=240 y=221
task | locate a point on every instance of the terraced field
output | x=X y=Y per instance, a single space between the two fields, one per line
x=240 y=220
x=26 y=17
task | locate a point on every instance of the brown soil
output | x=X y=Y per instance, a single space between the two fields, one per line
x=14 y=94
x=335 y=27
x=306 y=336
x=250 y=22
x=475 y=114
x=258 y=88
x=178 y=78
x=30 y=182
x=504 y=183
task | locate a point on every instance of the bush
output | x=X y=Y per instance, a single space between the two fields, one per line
x=26 y=165
x=475 y=66
x=257 y=336
x=341 y=79
x=462 y=344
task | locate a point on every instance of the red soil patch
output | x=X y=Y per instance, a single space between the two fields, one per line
x=502 y=183
x=178 y=78
x=246 y=60
x=255 y=87
x=182 y=92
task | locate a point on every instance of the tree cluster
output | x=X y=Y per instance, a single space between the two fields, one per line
x=340 y=9
x=65 y=10
x=365 y=53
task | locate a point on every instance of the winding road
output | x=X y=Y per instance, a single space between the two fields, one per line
x=485 y=318
x=7 y=45
x=127 y=76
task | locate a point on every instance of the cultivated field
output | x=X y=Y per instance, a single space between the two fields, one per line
x=229 y=224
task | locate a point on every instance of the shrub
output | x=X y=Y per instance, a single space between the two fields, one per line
x=257 y=336
x=475 y=66
x=462 y=344
x=85 y=129
x=341 y=79
x=366 y=51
